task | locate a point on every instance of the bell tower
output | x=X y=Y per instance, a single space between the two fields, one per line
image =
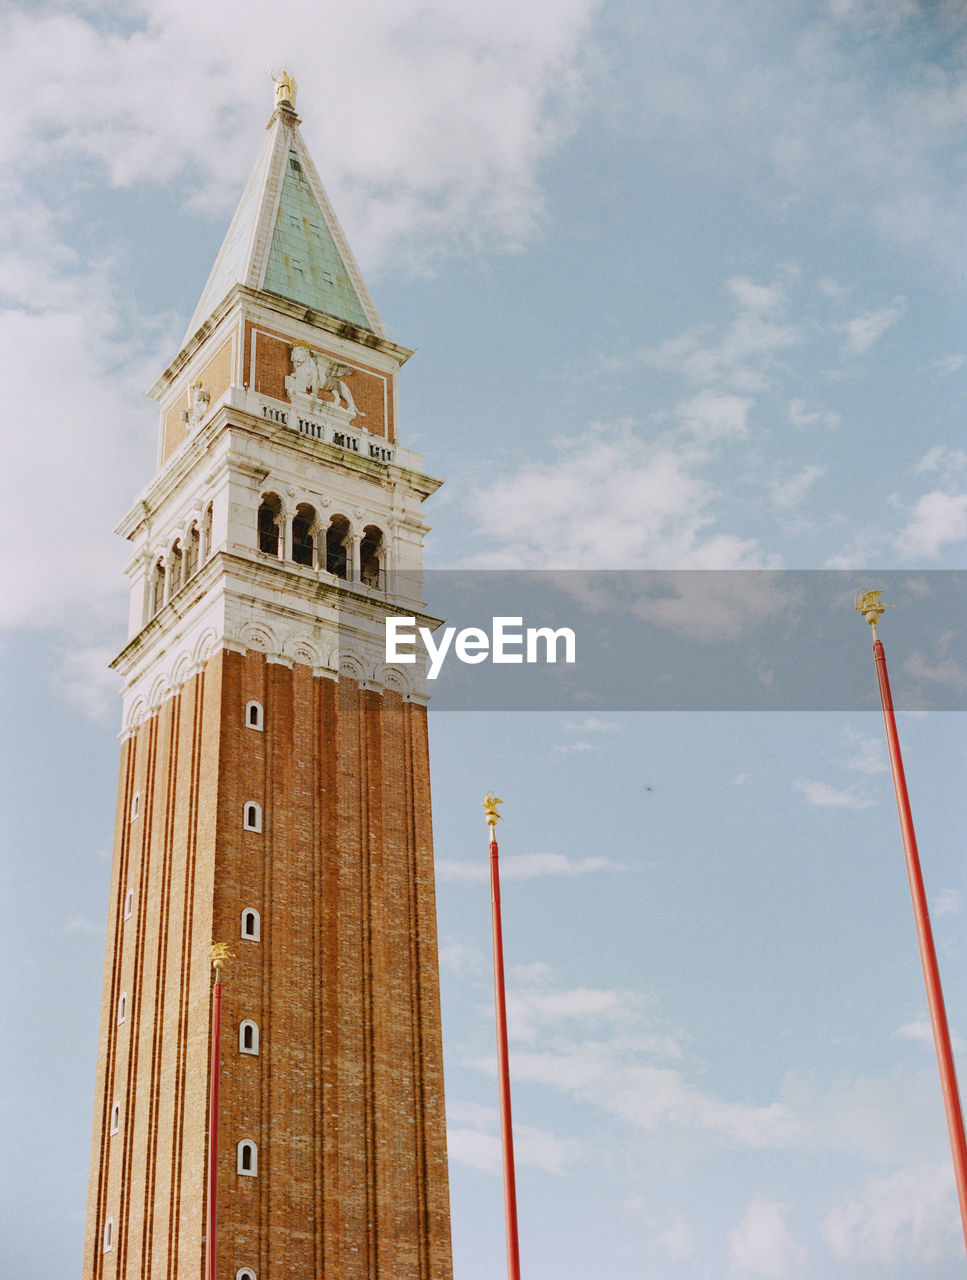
x=274 y=790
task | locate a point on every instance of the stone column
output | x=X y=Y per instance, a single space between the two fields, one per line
x=353 y=559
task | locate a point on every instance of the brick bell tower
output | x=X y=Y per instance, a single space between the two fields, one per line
x=274 y=791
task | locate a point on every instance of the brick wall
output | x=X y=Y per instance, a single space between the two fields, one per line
x=345 y=1098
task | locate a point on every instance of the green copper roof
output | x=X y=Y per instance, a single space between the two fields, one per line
x=285 y=238
x=304 y=263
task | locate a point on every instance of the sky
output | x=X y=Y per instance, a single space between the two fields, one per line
x=686 y=287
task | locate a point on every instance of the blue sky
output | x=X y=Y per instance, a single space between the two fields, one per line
x=686 y=285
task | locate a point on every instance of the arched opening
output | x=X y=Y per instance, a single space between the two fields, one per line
x=270 y=524
x=248 y=1158
x=252 y=816
x=192 y=546
x=129 y=904
x=158 y=587
x=122 y=1006
x=336 y=536
x=176 y=567
x=248 y=1037
x=251 y=924
x=253 y=715
x=115 y=1117
x=370 y=556
x=303 y=538
x=109 y=1235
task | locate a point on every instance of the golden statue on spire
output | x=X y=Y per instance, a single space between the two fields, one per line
x=490 y=809
x=870 y=605
x=285 y=89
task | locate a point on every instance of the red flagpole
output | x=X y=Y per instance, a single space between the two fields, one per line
x=219 y=954
x=869 y=605
x=503 y=1058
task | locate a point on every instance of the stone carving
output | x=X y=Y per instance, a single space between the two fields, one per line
x=315 y=376
x=335 y=384
x=304 y=378
x=198 y=401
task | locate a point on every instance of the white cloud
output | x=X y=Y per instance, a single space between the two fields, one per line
x=868 y=755
x=945 y=671
x=906 y=1217
x=531 y=1009
x=866 y=329
x=80 y=924
x=524 y=866
x=180 y=97
x=677 y=1241
x=948 y=462
x=606 y=499
x=921 y=1032
x=472 y=1139
x=944 y=366
x=473 y=1147
x=612 y=1077
x=947 y=902
x=608 y=1048
x=938 y=518
x=790 y=493
x=759 y=298
x=85 y=680
x=833 y=290
x=76 y=436
x=869 y=15
x=762 y=1245
x=713 y=415
x=885 y=1120
x=850 y=139
x=457 y=955
x=743 y=354
x=801 y=416
x=592 y=724
x=714 y=607
x=823 y=795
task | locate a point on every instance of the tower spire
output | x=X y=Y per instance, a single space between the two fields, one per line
x=285 y=237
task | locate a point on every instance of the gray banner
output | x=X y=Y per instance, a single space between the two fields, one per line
x=682 y=641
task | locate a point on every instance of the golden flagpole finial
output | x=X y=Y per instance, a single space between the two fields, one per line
x=218 y=953
x=870 y=605
x=490 y=809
